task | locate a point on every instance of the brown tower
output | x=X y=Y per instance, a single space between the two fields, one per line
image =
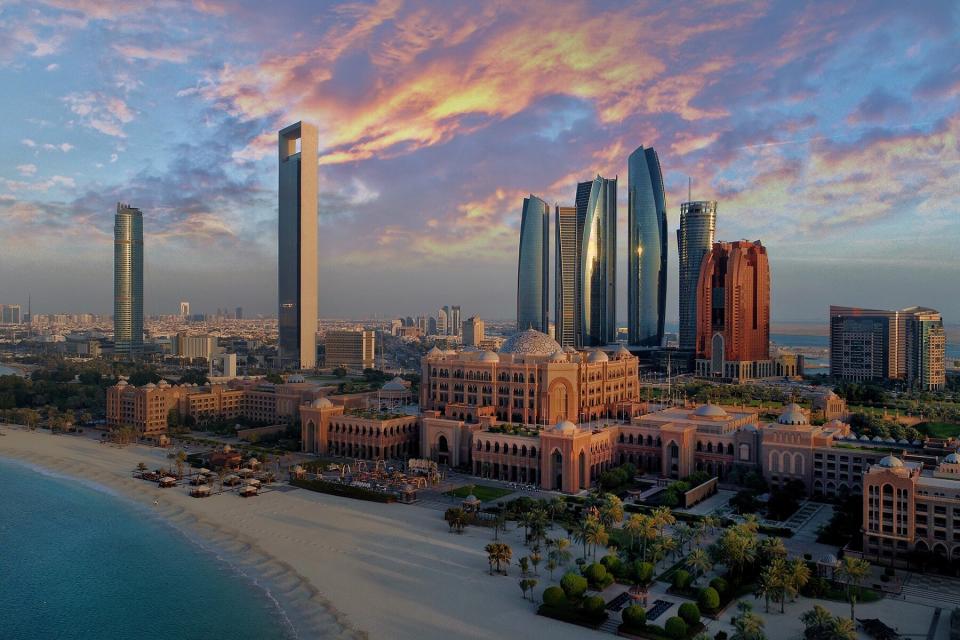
x=733 y=307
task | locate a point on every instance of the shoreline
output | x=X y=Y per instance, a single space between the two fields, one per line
x=338 y=568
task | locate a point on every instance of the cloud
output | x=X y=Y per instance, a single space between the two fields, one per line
x=103 y=113
x=52 y=67
x=879 y=106
x=27 y=142
x=27 y=169
x=133 y=52
x=65 y=147
x=42 y=185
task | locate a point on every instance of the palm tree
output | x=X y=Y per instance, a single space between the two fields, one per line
x=817 y=622
x=852 y=571
x=560 y=553
x=798 y=576
x=683 y=533
x=669 y=545
x=596 y=536
x=456 y=518
x=551 y=565
x=141 y=467
x=751 y=522
x=582 y=533
x=500 y=554
x=843 y=629
x=535 y=559
x=770 y=548
x=737 y=550
x=699 y=561
x=633 y=527
x=611 y=510
x=772 y=583
x=747 y=625
x=662 y=518
x=525 y=519
x=556 y=507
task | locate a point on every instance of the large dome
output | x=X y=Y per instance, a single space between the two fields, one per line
x=565 y=427
x=530 y=343
x=793 y=415
x=891 y=463
x=597 y=356
x=489 y=356
x=321 y=403
x=394 y=385
x=710 y=411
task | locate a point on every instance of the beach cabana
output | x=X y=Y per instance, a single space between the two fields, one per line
x=167 y=481
x=253 y=463
x=249 y=491
x=253 y=482
x=200 y=491
x=231 y=480
x=299 y=472
x=245 y=472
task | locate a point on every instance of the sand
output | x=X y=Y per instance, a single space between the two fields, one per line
x=339 y=568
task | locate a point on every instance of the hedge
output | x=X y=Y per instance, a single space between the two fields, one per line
x=572 y=615
x=343 y=490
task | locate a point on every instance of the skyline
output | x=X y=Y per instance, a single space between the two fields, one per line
x=828 y=133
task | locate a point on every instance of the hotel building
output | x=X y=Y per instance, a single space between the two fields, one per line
x=698 y=223
x=330 y=429
x=128 y=281
x=352 y=349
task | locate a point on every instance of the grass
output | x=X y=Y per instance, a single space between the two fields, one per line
x=939 y=429
x=484 y=492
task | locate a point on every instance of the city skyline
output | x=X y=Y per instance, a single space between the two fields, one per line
x=851 y=197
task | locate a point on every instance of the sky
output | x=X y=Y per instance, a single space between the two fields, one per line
x=828 y=130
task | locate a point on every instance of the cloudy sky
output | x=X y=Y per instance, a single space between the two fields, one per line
x=829 y=130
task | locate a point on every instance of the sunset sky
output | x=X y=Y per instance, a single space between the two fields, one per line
x=828 y=130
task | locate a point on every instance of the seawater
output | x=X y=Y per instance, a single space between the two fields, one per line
x=78 y=562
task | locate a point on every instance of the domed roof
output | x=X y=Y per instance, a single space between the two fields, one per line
x=395 y=385
x=149 y=385
x=321 y=403
x=597 y=356
x=710 y=411
x=890 y=462
x=434 y=352
x=622 y=352
x=489 y=356
x=530 y=342
x=793 y=414
x=829 y=560
x=296 y=378
x=565 y=427
x=558 y=356
x=569 y=349
x=750 y=427
x=952 y=458
x=122 y=383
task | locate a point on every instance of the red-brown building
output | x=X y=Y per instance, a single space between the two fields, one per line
x=733 y=312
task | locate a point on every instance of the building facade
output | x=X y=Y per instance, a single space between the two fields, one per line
x=733 y=313
x=646 y=249
x=698 y=223
x=297 y=246
x=565 y=311
x=190 y=347
x=328 y=429
x=10 y=314
x=128 y=281
x=597 y=277
x=352 y=349
x=473 y=332
x=533 y=266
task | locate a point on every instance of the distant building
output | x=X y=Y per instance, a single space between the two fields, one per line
x=597 y=274
x=565 y=316
x=473 y=331
x=733 y=313
x=297 y=242
x=646 y=249
x=874 y=345
x=239 y=313
x=352 y=349
x=453 y=321
x=698 y=222
x=223 y=365
x=184 y=309
x=533 y=266
x=128 y=281
x=190 y=347
x=443 y=318
x=10 y=314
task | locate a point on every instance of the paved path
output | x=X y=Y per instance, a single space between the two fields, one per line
x=932 y=590
x=804 y=538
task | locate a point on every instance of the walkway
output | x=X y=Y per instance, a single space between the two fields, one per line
x=932 y=590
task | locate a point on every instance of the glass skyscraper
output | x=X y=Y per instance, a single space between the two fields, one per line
x=698 y=223
x=597 y=221
x=565 y=308
x=646 y=249
x=297 y=250
x=533 y=266
x=128 y=281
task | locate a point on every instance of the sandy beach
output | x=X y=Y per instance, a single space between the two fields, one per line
x=339 y=568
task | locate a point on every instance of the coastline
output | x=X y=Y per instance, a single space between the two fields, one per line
x=337 y=568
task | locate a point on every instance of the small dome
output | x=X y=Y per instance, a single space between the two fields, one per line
x=122 y=383
x=434 y=352
x=395 y=385
x=622 y=352
x=321 y=403
x=295 y=378
x=952 y=458
x=471 y=499
x=565 y=427
x=891 y=462
x=149 y=385
x=489 y=356
x=710 y=411
x=834 y=424
x=750 y=427
x=558 y=356
x=830 y=560
x=597 y=356
x=530 y=342
x=793 y=414
x=163 y=384
x=569 y=349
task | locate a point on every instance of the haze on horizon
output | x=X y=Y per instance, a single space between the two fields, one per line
x=829 y=130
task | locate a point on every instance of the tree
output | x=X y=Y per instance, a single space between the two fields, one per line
x=573 y=586
x=456 y=518
x=524 y=564
x=699 y=562
x=690 y=613
x=817 y=623
x=682 y=533
x=527 y=584
x=141 y=467
x=554 y=597
x=747 y=625
x=709 y=599
x=798 y=574
x=500 y=554
x=551 y=566
x=633 y=527
x=611 y=510
x=851 y=572
x=560 y=553
x=596 y=536
x=634 y=617
x=676 y=628
x=642 y=572
x=535 y=559
x=557 y=507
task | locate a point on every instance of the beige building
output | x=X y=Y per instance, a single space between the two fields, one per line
x=351 y=349
x=473 y=334
x=330 y=429
x=190 y=347
x=146 y=409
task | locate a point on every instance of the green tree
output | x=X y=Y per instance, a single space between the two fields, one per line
x=747 y=625
x=456 y=518
x=699 y=562
x=573 y=586
x=499 y=553
x=852 y=572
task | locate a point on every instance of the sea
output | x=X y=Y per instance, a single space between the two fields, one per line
x=810 y=344
x=6 y=371
x=78 y=562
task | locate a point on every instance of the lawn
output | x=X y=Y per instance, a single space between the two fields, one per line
x=484 y=492
x=939 y=429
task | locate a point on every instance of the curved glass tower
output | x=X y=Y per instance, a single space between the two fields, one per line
x=646 y=249
x=597 y=217
x=128 y=280
x=533 y=265
x=698 y=223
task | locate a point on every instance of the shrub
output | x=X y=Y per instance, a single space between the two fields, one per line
x=594 y=605
x=676 y=628
x=554 y=597
x=720 y=585
x=682 y=579
x=642 y=572
x=690 y=613
x=595 y=573
x=721 y=635
x=634 y=616
x=573 y=585
x=611 y=563
x=709 y=599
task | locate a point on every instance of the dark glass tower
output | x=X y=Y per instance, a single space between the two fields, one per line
x=533 y=266
x=698 y=223
x=646 y=249
x=597 y=222
x=565 y=318
x=128 y=281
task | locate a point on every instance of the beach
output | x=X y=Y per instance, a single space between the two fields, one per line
x=338 y=568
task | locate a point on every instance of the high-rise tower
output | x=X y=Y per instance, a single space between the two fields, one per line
x=566 y=320
x=533 y=266
x=128 y=281
x=646 y=249
x=698 y=222
x=597 y=299
x=297 y=251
